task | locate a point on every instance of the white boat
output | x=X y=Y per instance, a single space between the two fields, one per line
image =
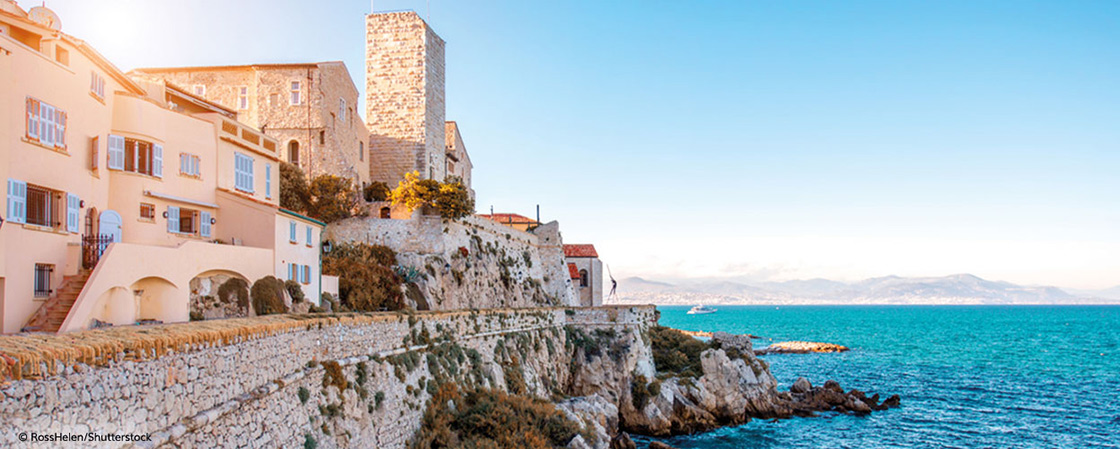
x=700 y=310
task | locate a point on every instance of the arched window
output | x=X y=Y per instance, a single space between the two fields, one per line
x=386 y=213
x=361 y=151
x=583 y=281
x=293 y=152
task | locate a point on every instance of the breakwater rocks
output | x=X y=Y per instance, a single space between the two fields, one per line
x=800 y=347
x=807 y=400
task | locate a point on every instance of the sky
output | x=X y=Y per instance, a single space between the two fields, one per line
x=751 y=140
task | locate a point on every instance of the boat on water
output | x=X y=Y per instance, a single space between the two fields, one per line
x=700 y=310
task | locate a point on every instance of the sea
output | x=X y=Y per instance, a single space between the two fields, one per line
x=969 y=376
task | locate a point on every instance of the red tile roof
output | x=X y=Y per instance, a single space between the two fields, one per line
x=573 y=271
x=508 y=218
x=580 y=250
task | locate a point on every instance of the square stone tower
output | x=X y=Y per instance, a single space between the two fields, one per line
x=405 y=109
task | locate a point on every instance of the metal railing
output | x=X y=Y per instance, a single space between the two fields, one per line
x=93 y=246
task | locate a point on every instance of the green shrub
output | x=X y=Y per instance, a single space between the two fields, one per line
x=268 y=296
x=235 y=290
x=376 y=191
x=484 y=418
x=378 y=398
x=676 y=353
x=366 y=281
x=309 y=442
x=304 y=395
x=294 y=290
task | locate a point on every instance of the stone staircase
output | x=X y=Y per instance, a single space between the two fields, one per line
x=53 y=312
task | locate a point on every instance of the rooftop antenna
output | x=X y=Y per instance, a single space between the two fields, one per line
x=491 y=209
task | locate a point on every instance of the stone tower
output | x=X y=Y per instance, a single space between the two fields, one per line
x=405 y=109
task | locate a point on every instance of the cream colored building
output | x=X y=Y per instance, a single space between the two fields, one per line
x=119 y=192
x=311 y=109
x=587 y=273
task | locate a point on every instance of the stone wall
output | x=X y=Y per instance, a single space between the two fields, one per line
x=470 y=263
x=269 y=91
x=361 y=381
x=405 y=108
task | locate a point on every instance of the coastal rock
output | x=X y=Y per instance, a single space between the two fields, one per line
x=740 y=343
x=801 y=385
x=659 y=445
x=597 y=414
x=800 y=347
x=622 y=441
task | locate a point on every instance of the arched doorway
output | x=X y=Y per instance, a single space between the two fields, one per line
x=293 y=152
x=386 y=212
x=110 y=224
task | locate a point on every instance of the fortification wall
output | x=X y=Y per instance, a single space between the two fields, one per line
x=355 y=381
x=470 y=263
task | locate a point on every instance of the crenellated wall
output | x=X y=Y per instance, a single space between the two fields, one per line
x=276 y=382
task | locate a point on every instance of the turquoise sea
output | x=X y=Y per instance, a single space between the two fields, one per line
x=969 y=376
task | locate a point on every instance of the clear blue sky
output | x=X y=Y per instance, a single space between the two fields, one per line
x=764 y=140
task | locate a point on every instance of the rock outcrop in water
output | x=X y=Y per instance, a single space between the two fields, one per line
x=800 y=347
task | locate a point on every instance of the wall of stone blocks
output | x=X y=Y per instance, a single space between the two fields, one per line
x=247 y=393
x=503 y=267
x=405 y=108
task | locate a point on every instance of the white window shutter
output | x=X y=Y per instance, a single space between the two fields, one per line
x=73 y=203
x=46 y=124
x=157 y=160
x=17 y=201
x=116 y=152
x=172 y=219
x=60 y=125
x=32 y=118
x=204 y=224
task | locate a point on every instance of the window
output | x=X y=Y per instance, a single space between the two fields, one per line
x=46 y=124
x=306 y=274
x=96 y=85
x=293 y=152
x=199 y=90
x=62 y=55
x=583 y=281
x=361 y=151
x=94 y=150
x=386 y=213
x=295 y=99
x=188 y=221
x=342 y=109
x=148 y=212
x=322 y=137
x=189 y=165
x=243 y=172
x=268 y=181
x=243 y=97
x=292 y=232
x=308 y=235
x=136 y=156
x=291 y=272
x=43 y=274
x=42 y=207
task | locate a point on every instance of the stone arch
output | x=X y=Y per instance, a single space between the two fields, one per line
x=116 y=306
x=159 y=299
x=219 y=293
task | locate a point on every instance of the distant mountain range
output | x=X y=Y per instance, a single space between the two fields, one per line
x=955 y=289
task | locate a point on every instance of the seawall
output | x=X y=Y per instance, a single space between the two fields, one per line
x=355 y=380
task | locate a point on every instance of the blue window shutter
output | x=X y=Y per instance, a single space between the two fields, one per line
x=157 y=160
x=17 y=201
x=172 y=219
x=292 y=231
x=268 y=181
x=204 y=224
x=308 y=235
x=72 y=205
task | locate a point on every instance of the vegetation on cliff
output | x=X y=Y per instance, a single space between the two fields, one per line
x=326 y=197
x=450 y=198
x=485 y=418
x=366 y=280
x=675 y=352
